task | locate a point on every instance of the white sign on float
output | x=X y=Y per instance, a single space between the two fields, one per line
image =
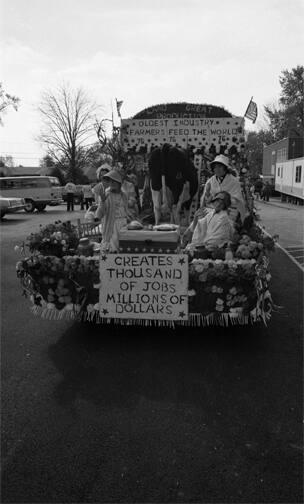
x=144 y=286
x=198 y=132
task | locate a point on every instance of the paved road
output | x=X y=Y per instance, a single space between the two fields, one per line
x=21 y=224
x=99 y=414
x=287 y=221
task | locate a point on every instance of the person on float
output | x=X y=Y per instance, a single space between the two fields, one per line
x=216 y=228
x=113 y=211
x=129 y=189
x=132 y=177
x=102 y=184
x=223 y=180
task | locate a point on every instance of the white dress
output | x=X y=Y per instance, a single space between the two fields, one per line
x=215 y=229
x=120 y=221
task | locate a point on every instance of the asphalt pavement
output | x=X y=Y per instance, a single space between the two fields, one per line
x=94 y=413
x=285 y=220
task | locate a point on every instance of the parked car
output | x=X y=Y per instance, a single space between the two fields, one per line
x=10 y=205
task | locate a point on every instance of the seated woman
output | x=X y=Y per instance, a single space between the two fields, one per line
x=216 y=228
x=114 y=212
x=222 y=180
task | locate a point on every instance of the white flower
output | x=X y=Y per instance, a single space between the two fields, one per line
x=191 y=292
x=16 y=248
x=96 y=306
x=69 y=307
x=50 y=306
x=90 y=308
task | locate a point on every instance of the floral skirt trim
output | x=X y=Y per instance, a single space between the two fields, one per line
x=195 y=319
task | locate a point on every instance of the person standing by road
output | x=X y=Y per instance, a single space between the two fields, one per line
x=266 y=192
x=70 y=190
x=258 y=186
x=87 y=196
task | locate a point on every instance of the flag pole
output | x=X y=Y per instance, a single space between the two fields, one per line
x=112 y=115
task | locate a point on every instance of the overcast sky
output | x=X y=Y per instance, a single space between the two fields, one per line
x=143 y=52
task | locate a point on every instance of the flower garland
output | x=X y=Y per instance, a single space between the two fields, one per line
x=58 y=239
x=65 y=283
x=220 y=291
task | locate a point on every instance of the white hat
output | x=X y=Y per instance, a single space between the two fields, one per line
x=103 y=167
x=114 y=175
x=222 y=160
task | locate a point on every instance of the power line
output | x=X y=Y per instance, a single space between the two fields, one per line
x=13 y=153
x=21 y=157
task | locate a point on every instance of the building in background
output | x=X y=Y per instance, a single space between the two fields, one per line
x=15 y=171
x=283 y=167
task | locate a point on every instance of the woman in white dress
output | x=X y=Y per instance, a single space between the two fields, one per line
x=222 y=180
x=215 y=229
x=113 y=211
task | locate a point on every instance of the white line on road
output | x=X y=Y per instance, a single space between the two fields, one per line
x=294 y=247
x=284 y=250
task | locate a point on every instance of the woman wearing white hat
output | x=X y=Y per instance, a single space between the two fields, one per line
x=99 y=188
x=113 y=210
x=222 y=180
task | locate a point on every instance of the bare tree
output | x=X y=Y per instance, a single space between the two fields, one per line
x=68 y=117
x=110 y=146
x=7 y=100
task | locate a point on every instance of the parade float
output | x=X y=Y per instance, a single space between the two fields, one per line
x=152 y=279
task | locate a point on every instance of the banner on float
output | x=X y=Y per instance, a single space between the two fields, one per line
x=198 y=132
x=139 y=286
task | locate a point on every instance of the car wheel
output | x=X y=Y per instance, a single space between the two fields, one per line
x=2 y=214
x=40 y=208
x=29 y=206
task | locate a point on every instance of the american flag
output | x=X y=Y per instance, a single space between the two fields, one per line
x=118 y=106
x=252 y=111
